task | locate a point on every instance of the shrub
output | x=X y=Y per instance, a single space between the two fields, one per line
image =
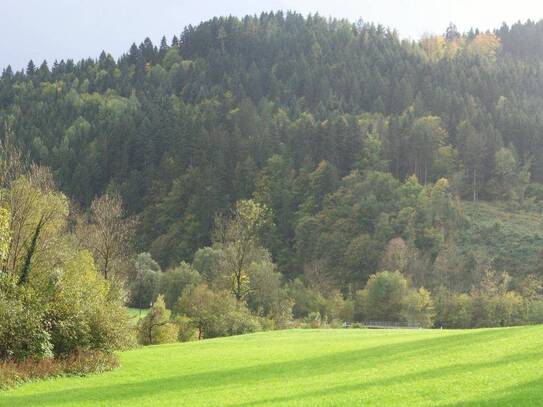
x=215 y=314
x=155 y=327
x=238 y=320
x=207 y=261
x=388 y=297
x=306 y=300
x=510 y=308
x=453 y=310
x=383 y=297
x=337 y=308
x=419 y=308
x=173 y=282
x=111 y=329
x=267 y=324
x=282 y=313
x=167 y=334
x=493 y=304
x=83 y=313
x=313 y=320
x=186 y=331
x=144 y=284
x=13 y=373
x=22 y=332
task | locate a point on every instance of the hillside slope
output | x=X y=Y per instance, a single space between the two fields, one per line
x=514 y=239
x=250 y=108
x=487 y=367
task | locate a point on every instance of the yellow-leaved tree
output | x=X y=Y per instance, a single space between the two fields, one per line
x=238 y=234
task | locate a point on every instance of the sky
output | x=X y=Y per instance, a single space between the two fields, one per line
x=61 y=29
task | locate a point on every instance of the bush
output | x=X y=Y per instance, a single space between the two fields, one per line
x=83 y=311
x=185 y=329
x=54 y=306
x=173 y=282
x=306 y=300
x=22 y=331
x=265 y=286
x=76 y=312
x=535 y=312
x=383 y=297
x=453 y=310
x=155 y=327
x=337 y=308
x=267 y=324
x=388 y=297
x=238 y=320
x=282 y=313
x=144 y=282
x=215 y=314
x=13 y=373
x=167 y=334
x=313 y=320
x=511 y=309
x=419 y=308
x=494 y=305
x=110 y=329
x=207 y=261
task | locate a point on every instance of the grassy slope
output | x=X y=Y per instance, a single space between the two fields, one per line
x=315 y=368
x=136 y=314
x=514 y=239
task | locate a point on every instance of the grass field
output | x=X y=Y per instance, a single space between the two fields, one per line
x=488 y=367
x=136 y=314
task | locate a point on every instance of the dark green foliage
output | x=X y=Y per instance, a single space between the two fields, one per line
x=351 y=137
x=174 y=281
x=76 y=312
x=183 y=131
x=22 y=331
x=383 y=298
x=388 y=297
x=144 y=281
x=215 y=313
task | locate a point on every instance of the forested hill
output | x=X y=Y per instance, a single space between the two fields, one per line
x=323 y=121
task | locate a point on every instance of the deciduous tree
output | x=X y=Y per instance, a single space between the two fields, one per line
x=108 y=234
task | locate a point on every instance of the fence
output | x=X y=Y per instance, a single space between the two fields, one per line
x=389 y=325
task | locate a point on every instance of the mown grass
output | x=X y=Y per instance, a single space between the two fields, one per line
x=486 y=367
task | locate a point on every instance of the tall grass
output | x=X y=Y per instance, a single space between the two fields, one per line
x=13 y=373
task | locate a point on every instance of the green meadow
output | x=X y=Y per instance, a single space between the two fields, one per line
x=485 y=367
x=136 y=314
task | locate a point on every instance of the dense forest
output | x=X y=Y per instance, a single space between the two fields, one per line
x=324 y=167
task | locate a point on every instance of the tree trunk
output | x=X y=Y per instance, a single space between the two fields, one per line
x=425 y=172
x=106 y=261
x=30 y=253
x=474 y=184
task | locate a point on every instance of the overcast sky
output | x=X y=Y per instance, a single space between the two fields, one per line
x=60 y=29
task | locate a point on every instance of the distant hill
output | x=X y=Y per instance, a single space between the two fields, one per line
x=290 y=110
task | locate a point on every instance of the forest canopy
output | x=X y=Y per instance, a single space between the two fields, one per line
x=356 y=146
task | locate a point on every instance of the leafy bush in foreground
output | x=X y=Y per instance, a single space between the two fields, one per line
x=22 y=329
x=53 y=301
